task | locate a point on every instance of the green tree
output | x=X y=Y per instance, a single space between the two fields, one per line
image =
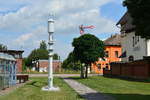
x=3 y=47
x=55 y=56
x=24 y=64
x=140 y=12
x=36 y=54
x=42 y=54
x=87 y=49
x=70 y=63
x=43 y=45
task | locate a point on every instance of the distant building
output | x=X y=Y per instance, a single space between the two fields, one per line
x=42 y=65
x=133 y=47
x=112 y=54
x=17 y=54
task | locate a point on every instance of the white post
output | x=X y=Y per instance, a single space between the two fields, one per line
x=50 y=61
x=50 y=65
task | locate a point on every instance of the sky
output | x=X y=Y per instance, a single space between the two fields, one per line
x=23 y=23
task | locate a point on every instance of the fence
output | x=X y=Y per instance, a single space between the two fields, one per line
x=136 y=69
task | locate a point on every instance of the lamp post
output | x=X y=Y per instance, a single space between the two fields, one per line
x=51 y=30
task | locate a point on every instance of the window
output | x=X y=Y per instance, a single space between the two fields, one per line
x=131 y=58
x=138 y=38
x=99 y=66
x=107 y=66
x=116 y=54
x=107 y=54
x=133 y=41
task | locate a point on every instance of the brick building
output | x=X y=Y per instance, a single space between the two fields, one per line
x=17 y=54
x=42 y=65
x=112 y=54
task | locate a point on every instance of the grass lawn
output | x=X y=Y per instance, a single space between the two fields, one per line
x=61 y=72
x=32 y=91
x=119 y=89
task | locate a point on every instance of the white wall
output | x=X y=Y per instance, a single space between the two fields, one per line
x=138 y=51
x=44 y=69
x=148 y=47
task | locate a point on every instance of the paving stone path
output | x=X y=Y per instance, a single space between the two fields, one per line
x=86 y=92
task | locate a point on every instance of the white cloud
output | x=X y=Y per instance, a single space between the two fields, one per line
x=119 y=1
x=21 y=40
x=31 y=19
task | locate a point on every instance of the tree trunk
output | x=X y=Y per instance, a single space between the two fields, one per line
x=82 y=72
x=86 y=72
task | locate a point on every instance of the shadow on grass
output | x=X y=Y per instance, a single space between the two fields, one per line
x=129 y=79
x=117 y=96
x=96 y=96
x=77 y=78
x=114 y=77
x=110 y=96
x=129 y=96
x=36 y=83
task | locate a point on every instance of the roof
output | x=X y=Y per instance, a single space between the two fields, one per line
x=126 y=23
x=5 y=56
x=123 y=18
x=12 y=51
x=114 y=40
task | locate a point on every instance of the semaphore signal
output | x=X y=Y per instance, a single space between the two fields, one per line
x=82 y=28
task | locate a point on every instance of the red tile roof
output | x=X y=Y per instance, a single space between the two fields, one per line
x=114 y=40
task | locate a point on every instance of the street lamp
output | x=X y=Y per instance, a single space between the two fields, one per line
x=51 y=30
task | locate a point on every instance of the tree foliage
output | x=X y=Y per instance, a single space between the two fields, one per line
x=36 y=54
x=70 y=63
x=3 y=47
x=55 y=56
x=40 y=53
x=140 y=12
x=87 y=49
x=24 y=66
x=43 y=45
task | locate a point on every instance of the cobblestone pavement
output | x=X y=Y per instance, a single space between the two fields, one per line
x=86 y=92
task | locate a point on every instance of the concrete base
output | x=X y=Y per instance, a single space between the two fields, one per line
x=46 y=88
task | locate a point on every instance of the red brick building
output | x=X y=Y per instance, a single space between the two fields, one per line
x=42 y=65
x=17 y=54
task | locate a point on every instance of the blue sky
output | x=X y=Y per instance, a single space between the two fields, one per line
x=23 y=23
